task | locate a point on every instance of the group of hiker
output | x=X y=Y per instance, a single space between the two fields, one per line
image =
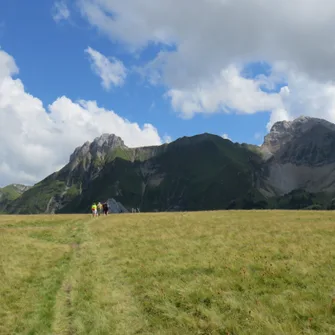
x=98 y=209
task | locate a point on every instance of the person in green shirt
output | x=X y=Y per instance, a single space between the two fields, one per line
x=94 y=210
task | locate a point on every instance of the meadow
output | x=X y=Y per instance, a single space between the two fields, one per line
x=229 y=272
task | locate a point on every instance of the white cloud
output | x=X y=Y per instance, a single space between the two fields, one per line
x=167 y=139
x=7 y=65
x=303 y=96
x=231 y=92
x=111 y=71
x=33 y=143
x=60 y=11
x=227 y=91
x=202 y=73
x=226 y=137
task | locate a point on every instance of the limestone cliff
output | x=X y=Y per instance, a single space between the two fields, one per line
x=300 y=155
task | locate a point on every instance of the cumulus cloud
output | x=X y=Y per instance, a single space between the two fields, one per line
x=226 y=137
x=111 y=71
x=202 y=68
x=228 y=91
x=303 y=96
x=299 y=94
x=35 y=141
x=60 y=11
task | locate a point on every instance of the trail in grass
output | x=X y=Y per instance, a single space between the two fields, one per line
x=65 y=307
x=95 y=298
x=34 y=263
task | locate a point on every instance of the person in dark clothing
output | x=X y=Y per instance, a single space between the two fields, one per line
x=105 y=208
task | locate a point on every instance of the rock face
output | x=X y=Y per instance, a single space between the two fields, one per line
x=300 y=155
x=99 y=148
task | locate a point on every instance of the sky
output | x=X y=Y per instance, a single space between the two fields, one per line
x=152 y=71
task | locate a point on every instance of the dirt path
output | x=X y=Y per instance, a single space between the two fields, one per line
x=64 y=322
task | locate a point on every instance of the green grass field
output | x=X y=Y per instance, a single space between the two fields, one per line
x=229 y=272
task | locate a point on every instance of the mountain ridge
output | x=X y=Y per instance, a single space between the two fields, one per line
x=198 y=172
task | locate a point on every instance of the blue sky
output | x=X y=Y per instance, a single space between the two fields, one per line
x=52 y=63
x=71 y=70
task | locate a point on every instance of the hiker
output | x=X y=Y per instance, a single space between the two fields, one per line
x=99 y=208
x=94 y=210
x=105 y=208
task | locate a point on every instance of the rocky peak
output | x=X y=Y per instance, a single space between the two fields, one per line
x=105 y=143
x=283 y=132
x=300 y=125
x=80 y=152
x=99 y=147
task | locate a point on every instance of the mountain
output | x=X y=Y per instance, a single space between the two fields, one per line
x=200 y=172
x=293 y=168
x=10 y=193
x=300 y=155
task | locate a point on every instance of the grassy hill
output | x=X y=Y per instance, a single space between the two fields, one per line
x=10 y=193
x=214 y=273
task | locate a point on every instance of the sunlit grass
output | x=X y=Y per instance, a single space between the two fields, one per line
x=233 y=272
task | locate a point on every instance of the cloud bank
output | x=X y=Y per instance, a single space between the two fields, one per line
x=211 y=41
x=35 y=141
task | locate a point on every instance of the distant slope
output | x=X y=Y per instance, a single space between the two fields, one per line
x=10 y=193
